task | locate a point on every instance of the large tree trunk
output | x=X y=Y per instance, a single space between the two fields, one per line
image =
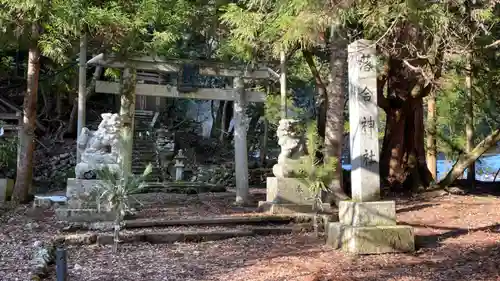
x=402 y=160
x=334 y=125
x=26 y=147
x=466 y=159
x=431 y=135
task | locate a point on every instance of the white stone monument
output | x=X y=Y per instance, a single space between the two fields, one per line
x=366 y=225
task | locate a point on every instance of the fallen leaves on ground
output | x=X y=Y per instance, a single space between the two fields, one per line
x=459 y=239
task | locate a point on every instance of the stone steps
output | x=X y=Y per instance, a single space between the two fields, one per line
x=143 y=147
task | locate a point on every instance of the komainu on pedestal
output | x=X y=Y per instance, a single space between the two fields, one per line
x=288 y=192
x=100 y=148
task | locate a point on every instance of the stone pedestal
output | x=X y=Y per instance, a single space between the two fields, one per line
x=81 y=204
x=369 y=228
x=288 y=196
x=6 y=187
x=79 y=193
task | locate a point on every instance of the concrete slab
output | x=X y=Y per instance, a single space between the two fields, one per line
x=371 y=239
x=376 y=213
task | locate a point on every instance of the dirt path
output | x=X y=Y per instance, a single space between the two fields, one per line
x=459 y=238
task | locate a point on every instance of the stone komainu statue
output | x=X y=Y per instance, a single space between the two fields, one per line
x=99 y=149
x=293 y=148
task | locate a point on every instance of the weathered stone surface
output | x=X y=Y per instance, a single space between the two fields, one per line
x=6 y=187
x=169 y=237
x=376 y=213
x=293 y=148
x=83 y=215
x=288 y=191
x=290 y=209
x=371 y=239
x=363 y=121
x=80 y=193
x=100 y=148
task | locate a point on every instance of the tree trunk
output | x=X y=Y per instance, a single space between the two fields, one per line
x=227 y=115
x=321 y=95
x=216 y=126
x=466 y=159
x=90 y=91
x=469 y=119
x=431 y=135
x=402 y=160
x=127 y=113
x=334 y=125
x=263 y=148
x=59 y=106
x=26 y=147
x=82 y=91
x=72 y=116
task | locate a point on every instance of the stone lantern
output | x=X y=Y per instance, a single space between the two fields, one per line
x=179 y=165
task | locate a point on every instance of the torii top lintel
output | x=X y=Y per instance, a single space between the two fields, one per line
x=208 y=68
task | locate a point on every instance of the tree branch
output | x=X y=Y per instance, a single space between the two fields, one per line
x=438 y=71
x=308 y=56
x=382 y=101
x=493 y=45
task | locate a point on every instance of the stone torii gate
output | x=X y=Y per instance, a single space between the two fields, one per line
x=238 y=94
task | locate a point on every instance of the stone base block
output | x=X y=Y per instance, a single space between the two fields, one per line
x=376 y=213
x=83 y=215
x=79 y=193
x=290 y=209
x=6 y=187
x=371 y=239
x=288 y=191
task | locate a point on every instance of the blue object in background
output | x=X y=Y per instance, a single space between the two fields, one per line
x=486 y=168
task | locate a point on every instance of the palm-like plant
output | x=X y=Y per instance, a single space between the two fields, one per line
x=115 y=189
x=316 y=173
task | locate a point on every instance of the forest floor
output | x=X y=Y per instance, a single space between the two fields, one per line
x=458 y=238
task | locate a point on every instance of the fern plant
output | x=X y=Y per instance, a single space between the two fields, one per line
x=114 y=190
x=316 y=173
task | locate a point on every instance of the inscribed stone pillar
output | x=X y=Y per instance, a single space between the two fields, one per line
x=240 y=142
x=363 y=119
x=366 y=225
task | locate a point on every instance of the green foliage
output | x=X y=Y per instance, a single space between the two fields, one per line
x=115 y=189
x=273 y=108
x=8 y=153
x=317 y=175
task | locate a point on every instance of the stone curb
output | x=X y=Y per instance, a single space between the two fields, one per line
x=166 y=237
x=214 y=221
